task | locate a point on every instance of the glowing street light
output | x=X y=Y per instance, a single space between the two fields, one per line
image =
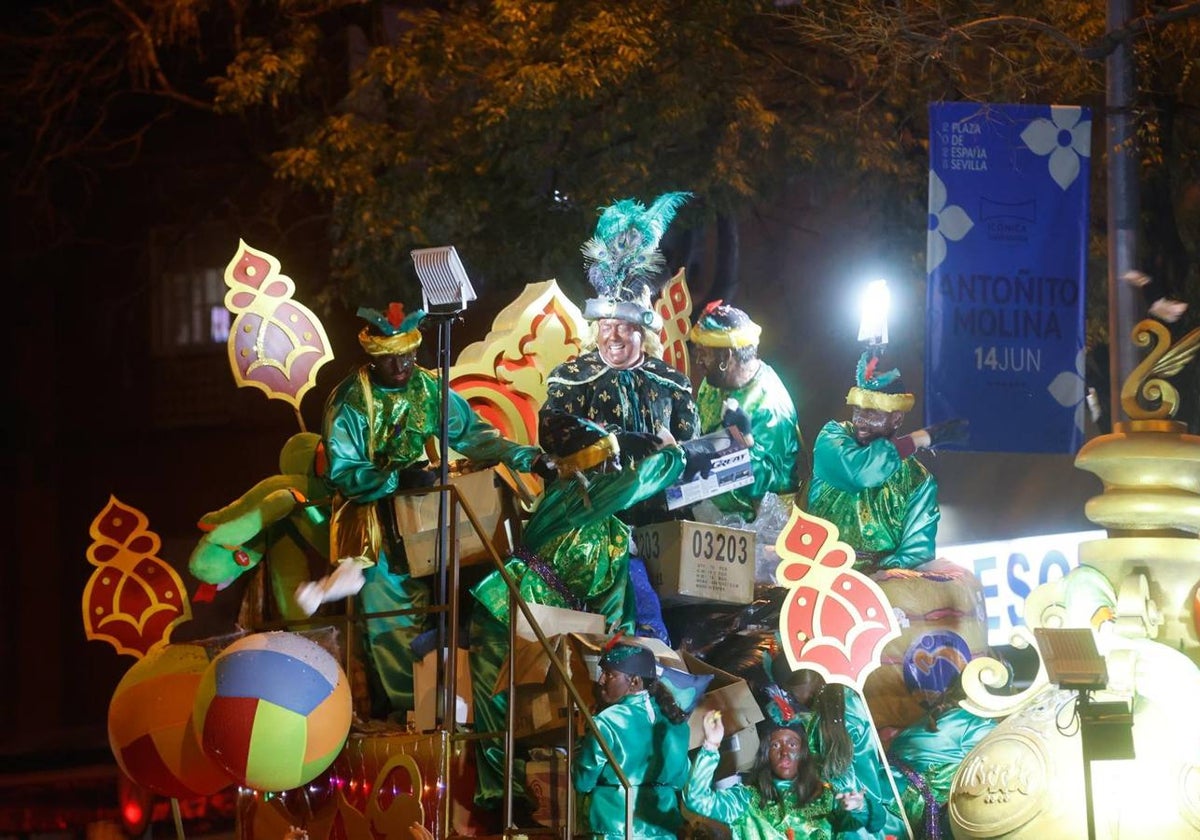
x=873 y=321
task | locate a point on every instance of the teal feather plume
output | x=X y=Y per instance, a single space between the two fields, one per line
x=622 y=257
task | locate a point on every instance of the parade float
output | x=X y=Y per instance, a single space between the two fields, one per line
x=267 y=715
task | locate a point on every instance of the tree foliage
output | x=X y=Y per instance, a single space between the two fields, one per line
x=500 y=126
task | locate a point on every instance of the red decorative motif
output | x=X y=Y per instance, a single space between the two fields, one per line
x=834 y=620
x=275 y=344
x=675 y=307
x=133 y=600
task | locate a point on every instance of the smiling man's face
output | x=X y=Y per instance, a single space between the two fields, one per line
x=619 y=343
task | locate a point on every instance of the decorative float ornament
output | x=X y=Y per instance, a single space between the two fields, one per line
x=134 y=599
x=276 y=344
x=503 y=376
x=150 y=725
x=834 y=620
x=675 y=308
x=273 y=710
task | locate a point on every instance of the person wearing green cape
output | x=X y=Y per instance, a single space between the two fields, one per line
x=377 y=422
x=724 y=345
x=648 y=735
x=574 y=554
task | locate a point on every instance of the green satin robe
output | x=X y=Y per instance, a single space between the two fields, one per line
x=776 y=437
x=651 y=751
x=935 y=756
x=867 y=772
x=749 y=818
x=366 y=443
x=884 y=506
x=588 y=549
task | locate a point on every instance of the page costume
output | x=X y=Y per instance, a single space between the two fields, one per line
x=768 y=406
x=866 y=771
x=773 y=424
x=370 y=433
x=924 y=764
x=883 y=504
x=575 y=555
x=650 y=749
x=742 y=808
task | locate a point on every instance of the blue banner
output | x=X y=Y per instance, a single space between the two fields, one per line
x=1006 y=259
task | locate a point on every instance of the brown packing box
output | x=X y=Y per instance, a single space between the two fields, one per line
x=541 y=702
x=546 y=785
x=738 y=752
x=739 y=712
x=591 y=647
x=693 y=562
x=427 y=696
x=417 y=519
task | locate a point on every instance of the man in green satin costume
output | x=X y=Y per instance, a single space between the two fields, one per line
x=725 y=351
x=574 y=554
x=648 y=736
x=377 y=422
x=868 y=483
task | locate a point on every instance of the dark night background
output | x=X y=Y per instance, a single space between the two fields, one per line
x=99 y=405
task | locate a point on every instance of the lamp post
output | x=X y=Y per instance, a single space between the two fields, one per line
x=874 y=304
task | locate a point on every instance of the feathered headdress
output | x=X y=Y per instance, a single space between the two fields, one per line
x=623 y=262
x=397 y=333
x=879 y=390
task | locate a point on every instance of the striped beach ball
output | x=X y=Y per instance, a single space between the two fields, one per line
x=274 y=710
x=150 y=724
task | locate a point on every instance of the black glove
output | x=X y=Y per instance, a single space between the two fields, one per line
x=948 y=432
x=736 y=418
x=699 y=454
x=410 y=478
x=637 y=445
x=543 y=467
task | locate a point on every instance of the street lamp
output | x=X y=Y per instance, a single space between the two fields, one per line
x=873 y=307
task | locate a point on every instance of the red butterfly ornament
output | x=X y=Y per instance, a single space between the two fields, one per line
x=834 y=620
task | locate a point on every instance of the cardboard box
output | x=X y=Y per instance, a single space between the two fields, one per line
x=691 y=562
x=730 y=470
x=738 y=752
x=541 y=701
x=729 y=695
x=546 y=785
x=591 y=647
x=427 y=694
x=417 y=521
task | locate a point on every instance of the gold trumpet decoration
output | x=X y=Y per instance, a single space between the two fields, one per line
x=1164 y=360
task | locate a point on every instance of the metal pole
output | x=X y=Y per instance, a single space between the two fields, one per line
x=445 y=657
x=1123 y=206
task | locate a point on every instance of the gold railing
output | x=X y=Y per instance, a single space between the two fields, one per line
x=446 y=604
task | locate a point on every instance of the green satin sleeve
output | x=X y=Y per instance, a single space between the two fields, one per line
x=728 y=805
x=918 y=534
x=568 y=505
x=958 y=731
x=849 y=466
x=350 y=470
x=481 y=441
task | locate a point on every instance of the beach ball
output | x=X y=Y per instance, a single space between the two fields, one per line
x=150 y=725
x=274 y=710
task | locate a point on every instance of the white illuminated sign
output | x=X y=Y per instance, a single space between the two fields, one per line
x=1009 y=570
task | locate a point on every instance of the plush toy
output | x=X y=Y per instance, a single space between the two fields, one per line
x=284 y=518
